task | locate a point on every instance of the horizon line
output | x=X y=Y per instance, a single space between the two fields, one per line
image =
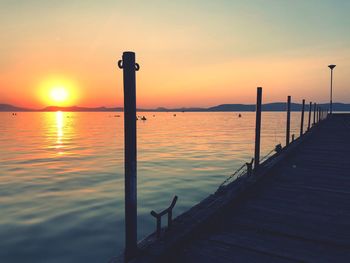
x=159 y=107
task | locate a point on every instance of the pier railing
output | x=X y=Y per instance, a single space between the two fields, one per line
x=129 y=68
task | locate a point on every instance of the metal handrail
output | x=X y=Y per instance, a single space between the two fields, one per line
x=168 y=211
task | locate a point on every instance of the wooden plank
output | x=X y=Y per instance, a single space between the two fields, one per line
x=283 y=246
x=299 y=212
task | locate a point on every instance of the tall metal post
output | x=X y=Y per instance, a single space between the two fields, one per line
x=129 y=67
x=314 y=122
x=302 y=118
x=309 y=122
x=288 y=121
x=257 y=128
x=331 y=94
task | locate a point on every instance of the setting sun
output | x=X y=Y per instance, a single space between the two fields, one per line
x=59 y=94
x=58 y=91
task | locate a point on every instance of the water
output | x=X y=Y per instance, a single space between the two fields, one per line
x=61 y=175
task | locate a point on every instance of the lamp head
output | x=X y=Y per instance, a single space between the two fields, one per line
x=331 y=66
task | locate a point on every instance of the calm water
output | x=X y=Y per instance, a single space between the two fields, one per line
x=61 y=175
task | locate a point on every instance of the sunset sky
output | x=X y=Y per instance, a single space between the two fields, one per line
x=191 y=53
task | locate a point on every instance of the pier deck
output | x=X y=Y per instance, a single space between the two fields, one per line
x=299 y=211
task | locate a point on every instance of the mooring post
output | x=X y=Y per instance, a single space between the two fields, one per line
x=257 y=128
x=302 y=118
x=129 y=67
x=288 y=121
x=314 y=122
x=309 y=122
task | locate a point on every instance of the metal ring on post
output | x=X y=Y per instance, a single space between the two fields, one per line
x=120 y=63
x=137 y=67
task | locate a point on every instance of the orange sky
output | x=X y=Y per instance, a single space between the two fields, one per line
x=191 y=53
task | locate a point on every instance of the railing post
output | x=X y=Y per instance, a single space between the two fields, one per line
x=319 y=114
x=257 y=128
x=288 y=121
x=129 y=67
x=314 y=122
x=309 y=122
x=302 y=118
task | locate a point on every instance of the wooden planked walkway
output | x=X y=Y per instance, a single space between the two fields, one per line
x=299 y=213
x=296 y=209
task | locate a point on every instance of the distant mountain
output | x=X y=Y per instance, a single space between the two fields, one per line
x=8 y=107
x=276 y=106
x=79 y=109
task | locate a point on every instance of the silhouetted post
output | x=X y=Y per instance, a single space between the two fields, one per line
x=309 y=122
x=314 y=122
x=319 y=114
x=302 y=118
x=331 y=95
x=257 y=128
x=129 y=67
x=288 y=121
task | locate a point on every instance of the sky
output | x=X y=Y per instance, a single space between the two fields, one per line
x=191 y=53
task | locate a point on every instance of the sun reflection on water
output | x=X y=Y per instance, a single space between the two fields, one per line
x=59 y=126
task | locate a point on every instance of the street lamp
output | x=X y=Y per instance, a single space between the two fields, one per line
x=331 y=103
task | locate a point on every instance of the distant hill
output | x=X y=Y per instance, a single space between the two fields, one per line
x=276 y=106
x=8 y=107
x=79 y=109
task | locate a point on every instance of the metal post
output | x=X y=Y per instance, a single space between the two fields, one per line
x=319 y=114
x=129 y=67
x=257 y=128
x=309 y=122
x=314 y=122
x=331 y=95
x=288 y=121
x=302 y=118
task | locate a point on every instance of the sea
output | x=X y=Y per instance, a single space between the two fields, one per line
x=62 y=174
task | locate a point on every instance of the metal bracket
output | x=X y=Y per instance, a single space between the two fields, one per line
x=168 y=211
x=120 y=65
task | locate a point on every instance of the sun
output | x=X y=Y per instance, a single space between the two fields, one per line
x=59 y=94
x=58 y=91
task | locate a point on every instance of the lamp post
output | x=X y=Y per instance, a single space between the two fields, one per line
x=331 y=95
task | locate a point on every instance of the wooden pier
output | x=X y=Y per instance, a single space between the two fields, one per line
x=295 y=209
x=292 y=207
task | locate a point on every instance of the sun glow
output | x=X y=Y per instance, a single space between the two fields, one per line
x=58 y=91
x=59 y=94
